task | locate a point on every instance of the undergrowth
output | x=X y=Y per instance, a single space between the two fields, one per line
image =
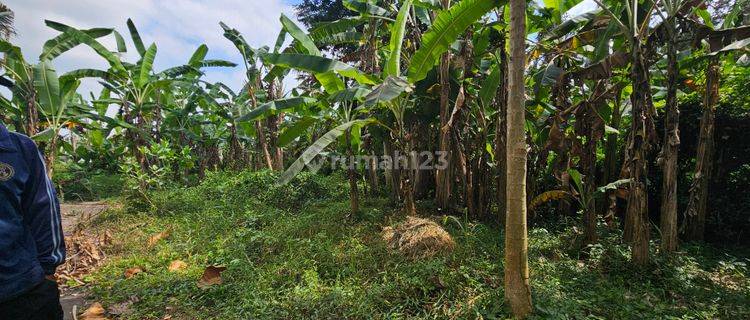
x=294 y=252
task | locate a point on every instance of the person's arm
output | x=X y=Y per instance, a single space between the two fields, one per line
x=42 y=213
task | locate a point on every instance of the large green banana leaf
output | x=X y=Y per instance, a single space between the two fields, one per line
x=147 y=64
x=296 y=130
x=47 y=87
x=317 y=65
x=393 y=65
x=276 y=106
x=137 y=41
x=317 y=147
x=391 y=88
x=365 y=8
x=446 y=28
x=298 y=34
x=73 y=37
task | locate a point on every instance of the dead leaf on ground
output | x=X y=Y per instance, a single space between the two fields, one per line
x=177 y=265
x=94 y=312
x=211 y=276
x=132 y=272
x=153 y=240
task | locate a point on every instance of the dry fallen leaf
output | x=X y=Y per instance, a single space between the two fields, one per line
x=211 y=276
x=153 y=240
x=94 y=312
x=177 y=265
x=132 y=272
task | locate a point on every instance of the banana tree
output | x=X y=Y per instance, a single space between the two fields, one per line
x=636 y=33
x=137 y=89
x=19 y=78
x=720 y=42
x=390 y=90
x=59 y=104
x=262 y=89
x=41 y=96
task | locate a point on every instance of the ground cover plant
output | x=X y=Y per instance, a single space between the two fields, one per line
x=436 y=159
x=320 y=262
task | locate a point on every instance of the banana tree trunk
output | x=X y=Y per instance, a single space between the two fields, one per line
x=697 y=205
x=277 y=155
x=517 y=289
x=610 y=162
x=407 y=174
x=32 y=117
x=669 y=154
x=263 y=145
x=353 y=188
x=237 y=157
x=637 y=212
x=51 y=155
x=444 y=179
x=443 y=176
x=588 y=126
x=392 y=175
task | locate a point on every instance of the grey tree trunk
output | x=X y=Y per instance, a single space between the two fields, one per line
x=517 y=289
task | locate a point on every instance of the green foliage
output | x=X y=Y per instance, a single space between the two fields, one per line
x=163 y=161
x=75 y=183
x=293 y=251
x=448 y=25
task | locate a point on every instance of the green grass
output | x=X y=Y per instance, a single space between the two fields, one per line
x=293 y=252
x=76 y=184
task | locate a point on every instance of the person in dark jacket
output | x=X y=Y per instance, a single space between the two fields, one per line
x=31 y=236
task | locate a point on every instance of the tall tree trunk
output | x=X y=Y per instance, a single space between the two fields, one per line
x=637 y=213
x=669 y=152
x=353 y=188
x=517 y=289
x=697 y=205
x=443 y=176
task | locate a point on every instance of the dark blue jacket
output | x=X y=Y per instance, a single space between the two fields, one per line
x=31 y=238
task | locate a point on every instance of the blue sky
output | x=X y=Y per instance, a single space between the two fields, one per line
x=177 y=27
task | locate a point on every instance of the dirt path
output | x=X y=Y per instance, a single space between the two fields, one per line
x=73 y=214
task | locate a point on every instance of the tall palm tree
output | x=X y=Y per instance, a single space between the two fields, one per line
x=517 y=290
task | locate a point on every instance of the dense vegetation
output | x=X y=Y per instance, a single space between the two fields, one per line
x=295 y=252
x=615 y=129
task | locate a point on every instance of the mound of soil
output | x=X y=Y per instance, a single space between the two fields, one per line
x=418 y=238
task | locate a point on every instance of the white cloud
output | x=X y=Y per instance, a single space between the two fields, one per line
x=177 y=27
